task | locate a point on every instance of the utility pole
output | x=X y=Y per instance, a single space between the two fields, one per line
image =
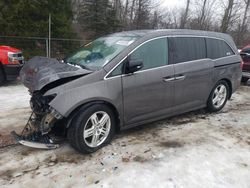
x=49 y=41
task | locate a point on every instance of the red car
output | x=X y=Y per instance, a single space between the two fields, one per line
x=11 y=61
x=245 y=55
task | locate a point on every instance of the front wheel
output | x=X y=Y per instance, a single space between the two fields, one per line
x=218 y=97
x=92 y=128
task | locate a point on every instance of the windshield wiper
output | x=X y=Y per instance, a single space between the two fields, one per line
x=75 y=64
x=84 y=67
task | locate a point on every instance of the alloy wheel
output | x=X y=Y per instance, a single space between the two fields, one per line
x=219 y=96
x=97 y=128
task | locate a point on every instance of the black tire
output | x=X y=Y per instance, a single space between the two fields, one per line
x=79 y=122
x=244 y=79
x=2 y=76
x=212 y=107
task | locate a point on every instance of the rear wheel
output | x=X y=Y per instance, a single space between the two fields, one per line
x=2 y=76
x=92 y=128
x=218 y=97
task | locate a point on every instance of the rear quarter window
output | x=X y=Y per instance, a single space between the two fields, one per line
x=218 y=48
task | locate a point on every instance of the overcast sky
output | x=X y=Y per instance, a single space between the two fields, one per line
x=173 y=3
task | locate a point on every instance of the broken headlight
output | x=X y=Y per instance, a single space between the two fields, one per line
x=40 y=104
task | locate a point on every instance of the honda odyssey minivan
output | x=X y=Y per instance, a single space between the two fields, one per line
x=127 y=79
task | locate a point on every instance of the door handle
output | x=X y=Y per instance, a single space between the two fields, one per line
x=180 y=77
x=168 y=79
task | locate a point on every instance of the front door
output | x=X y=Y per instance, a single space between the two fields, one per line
x=148 y=93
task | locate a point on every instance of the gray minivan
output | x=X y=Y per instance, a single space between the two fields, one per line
x=127 y=79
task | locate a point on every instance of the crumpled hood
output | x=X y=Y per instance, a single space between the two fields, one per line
x=40 y=71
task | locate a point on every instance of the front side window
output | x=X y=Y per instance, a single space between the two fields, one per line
x=99 y=52
x=183 y=49
x=218 y=49
x=153 y=53
x=117 y=71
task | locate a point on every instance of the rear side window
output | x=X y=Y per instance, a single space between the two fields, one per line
x=153 y=53
x=218 y=48
x=182 y=49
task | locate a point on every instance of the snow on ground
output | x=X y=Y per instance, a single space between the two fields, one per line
x=13 y=96
x=14 y=109
x=196 y=149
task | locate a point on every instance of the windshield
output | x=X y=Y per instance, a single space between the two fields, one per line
x=99 y=52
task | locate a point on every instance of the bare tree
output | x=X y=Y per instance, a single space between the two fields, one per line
x=132 y=8
x=184 y=16
x=155 y=20
x=228 y=15
x=169 y=19
x=125 y=14
x=242 y=28
x=202 y=18
x=118 y=8
x=139 y=14
x=244 y=20
x=76 y=9
x=203 y=15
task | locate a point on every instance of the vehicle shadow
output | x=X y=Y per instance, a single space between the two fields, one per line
x=245 y=83
x=171 y=123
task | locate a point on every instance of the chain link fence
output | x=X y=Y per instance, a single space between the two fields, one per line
x=37 y=46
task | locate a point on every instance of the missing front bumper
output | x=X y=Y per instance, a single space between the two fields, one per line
x=41 y=142
x=35 y=133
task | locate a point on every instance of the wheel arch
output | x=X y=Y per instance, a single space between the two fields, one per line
x=229 y=83
x=210 y=106
x=73 y=113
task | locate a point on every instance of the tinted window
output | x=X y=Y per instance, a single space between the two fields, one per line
x=182 y=49
x=153 y=53
x=218 y=48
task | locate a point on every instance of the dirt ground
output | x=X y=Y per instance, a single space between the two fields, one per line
x=196 y=149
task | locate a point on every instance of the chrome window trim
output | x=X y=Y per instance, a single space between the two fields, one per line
x=106 y=76
x=206 y=37
x=137 y=72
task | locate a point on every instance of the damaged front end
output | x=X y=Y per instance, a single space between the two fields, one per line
x=42 y=119
x=39 y=75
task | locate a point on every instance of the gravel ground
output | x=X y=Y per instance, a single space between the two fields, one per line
x=196 y=149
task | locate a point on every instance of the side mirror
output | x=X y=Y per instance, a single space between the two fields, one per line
x=133 y=66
